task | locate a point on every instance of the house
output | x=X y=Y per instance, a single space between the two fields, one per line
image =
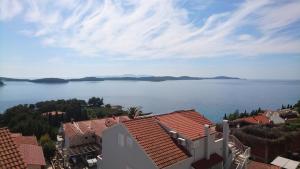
x=288 y=113
x=10 y=156
x=81 y=141
x=53 y=113
x=32 y=153
x=19 y=151
x=258 y=119
x=178 y=140
x=274 y=116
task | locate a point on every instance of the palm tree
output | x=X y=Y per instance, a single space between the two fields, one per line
x=134 y=112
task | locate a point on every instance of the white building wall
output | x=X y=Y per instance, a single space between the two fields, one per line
x=128 y=156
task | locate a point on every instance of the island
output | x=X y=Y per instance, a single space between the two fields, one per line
x=123 y=78
x=49 y=80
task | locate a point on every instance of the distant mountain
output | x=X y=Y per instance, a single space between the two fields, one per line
x=223 y=77
x=12 y=79
x=49 y=80
x=121 y=78
x=87 y=79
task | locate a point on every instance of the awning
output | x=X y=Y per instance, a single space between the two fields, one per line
x=83 y=149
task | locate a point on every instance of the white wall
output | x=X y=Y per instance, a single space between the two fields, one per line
x=118 y=157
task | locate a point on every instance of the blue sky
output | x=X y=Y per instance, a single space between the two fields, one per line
x=257 y=39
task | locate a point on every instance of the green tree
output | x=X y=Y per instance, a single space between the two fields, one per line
x=95 y=101
x=108 y=106
x=297 y=106
x=134 y=112
x=48 y=146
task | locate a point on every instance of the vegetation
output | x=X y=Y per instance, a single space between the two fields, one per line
x=48 y=146
x=95 y=101
x=31 y=119
x=101 y=112
x=297 y=106
x=235 y=115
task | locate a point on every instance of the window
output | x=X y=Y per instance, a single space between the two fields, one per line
x=121 y=139
x=129 y=141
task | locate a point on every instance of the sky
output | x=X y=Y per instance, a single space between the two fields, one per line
x=254 y=39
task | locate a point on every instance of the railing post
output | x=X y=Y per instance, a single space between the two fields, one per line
x=225 y=140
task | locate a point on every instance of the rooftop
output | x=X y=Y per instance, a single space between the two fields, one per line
x=97 y=126
x=10 y=156
x=32 y=154
x=53 y=113
x=258 y=119
x=205 y=164
x=25 y=140
x=30 y=150
x=188 y=123
x=259 y=165
x=147 y=131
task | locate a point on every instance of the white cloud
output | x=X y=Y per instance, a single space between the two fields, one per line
x=158 y=28
x=9 y=9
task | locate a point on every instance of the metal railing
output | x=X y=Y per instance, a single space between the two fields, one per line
x=240 y=146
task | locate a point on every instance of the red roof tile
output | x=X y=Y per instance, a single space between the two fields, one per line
x=190 y=124
x=10 y=157
x=259 y=165
x=195 y=116
x=32 y=154
x=205 y=164
x=258 y=119
x=25 y=140
x=155 y=141
x=91 y=126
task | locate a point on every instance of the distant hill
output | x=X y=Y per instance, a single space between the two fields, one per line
x=12 y=79
x=131 y=78
x=49 y=80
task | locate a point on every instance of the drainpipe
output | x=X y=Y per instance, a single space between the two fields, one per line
x=207 y=142
x=225 y=140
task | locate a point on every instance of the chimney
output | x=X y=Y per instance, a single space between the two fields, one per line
x=182 y=141
x=225 y=139
x=173 y=134
x=207 y=141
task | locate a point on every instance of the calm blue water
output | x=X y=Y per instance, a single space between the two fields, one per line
x=212 y=98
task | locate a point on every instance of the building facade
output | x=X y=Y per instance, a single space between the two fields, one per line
x=178 y=140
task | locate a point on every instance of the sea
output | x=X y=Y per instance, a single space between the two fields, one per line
x=212 y=98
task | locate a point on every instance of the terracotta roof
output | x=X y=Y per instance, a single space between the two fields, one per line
x=10 y=157
x=190 y=124
x=259 y=165
x=53 y=113
x=155 y=141
x=195 y=116
x=32 y=154
x=258 y=119
x=25 y=140
x=205 y=164
x=91 y=126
